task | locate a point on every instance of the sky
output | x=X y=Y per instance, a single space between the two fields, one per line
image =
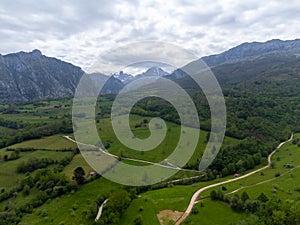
x=79 y=31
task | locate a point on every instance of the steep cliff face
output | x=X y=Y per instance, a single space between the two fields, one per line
x=31 y=76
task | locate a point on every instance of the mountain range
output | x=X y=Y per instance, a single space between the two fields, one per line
x=32 y=76
x=254 y=50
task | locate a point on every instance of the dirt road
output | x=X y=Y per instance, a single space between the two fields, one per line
x=197 y=193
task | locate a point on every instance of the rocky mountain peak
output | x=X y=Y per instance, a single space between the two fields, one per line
x=155 y=71
x=36 y=52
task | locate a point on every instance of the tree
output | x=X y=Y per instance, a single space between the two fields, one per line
x=231 y=168
x=245 y=196
x=119 y=200
x=295 y=213
x=213 y=195
x=262 y=197
x=279 y=217
x=249 y=163
x=14 y=155
x=26 y=190
x=236 y=203
x=225 y=172
x=137 y=220
x=220 y=195
x=79 y=175
x=251 y=220
x=257 y=158
x=195 y=210
x=252 y=206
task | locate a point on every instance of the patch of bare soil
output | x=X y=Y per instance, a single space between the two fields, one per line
x=166 y=216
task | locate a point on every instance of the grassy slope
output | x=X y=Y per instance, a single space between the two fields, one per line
x=162 y=151
x=52 y=143
x=8 y=175
x=176 y=196
x=70 y=209
x=288 y=154
x=254 y=185
x=78 y=160
x=213 y=212
x=286 y=182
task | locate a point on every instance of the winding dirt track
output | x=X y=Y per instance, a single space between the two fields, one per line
x=168 y=166
x=100 y=210
x=197 y=193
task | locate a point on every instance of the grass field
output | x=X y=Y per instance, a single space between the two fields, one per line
x=287 y=154
x=5 y=129
x=8 y=175
x=207 y=211
x=158 y=154
x=214 y=212
x=38 y=112
x=28 y=118
x=152 y=202
x=78 y=160
x=282 y=187
x=8 y=170
x=75 y=208
x=71 y=209
x=55 y=142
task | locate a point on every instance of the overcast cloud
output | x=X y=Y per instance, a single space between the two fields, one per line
x=78 y=31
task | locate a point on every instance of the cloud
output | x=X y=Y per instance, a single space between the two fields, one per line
x=144 y=51
x=79 y=31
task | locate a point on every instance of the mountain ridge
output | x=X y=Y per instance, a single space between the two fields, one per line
x=247 y=51
x=26 y=76
x=30 y=76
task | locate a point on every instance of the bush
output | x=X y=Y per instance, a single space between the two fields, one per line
x=262 y=197
x=297 y=189
x=138 y=220
x=195 y=210
x=213 y=195
x=34 y=164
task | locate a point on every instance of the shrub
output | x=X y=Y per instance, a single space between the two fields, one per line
x=195 y=210
x=137 y=220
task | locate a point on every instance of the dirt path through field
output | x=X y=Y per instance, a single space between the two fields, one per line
x=197 y=193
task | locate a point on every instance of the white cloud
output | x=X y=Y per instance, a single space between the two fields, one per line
x=78 y=31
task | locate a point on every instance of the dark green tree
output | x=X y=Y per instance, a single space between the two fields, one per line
x=137 y=220
x=79 y=175
x=213 y=195
x=262 y=197
x=245 y=196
